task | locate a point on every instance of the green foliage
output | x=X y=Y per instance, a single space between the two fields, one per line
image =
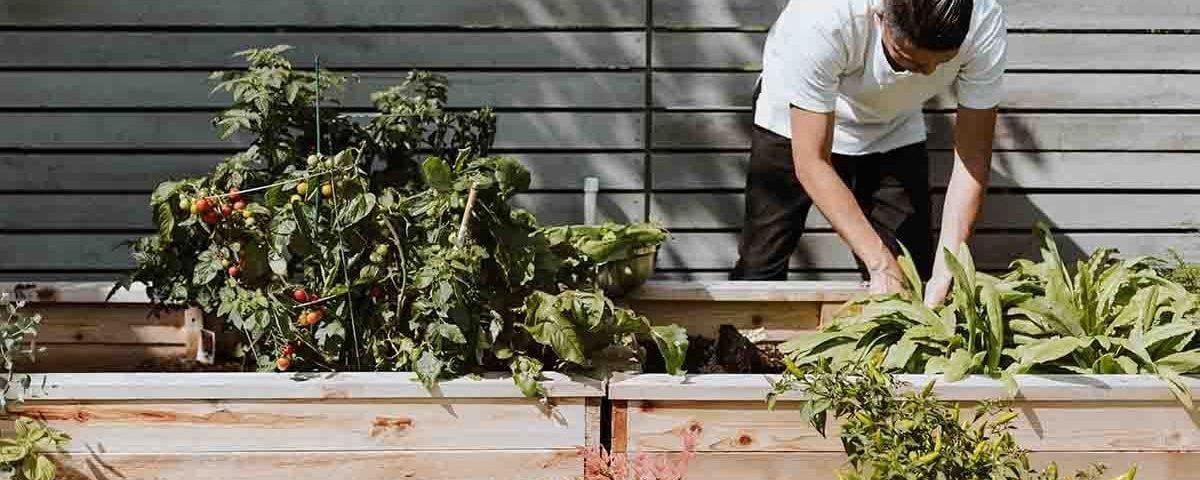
x=914 y=436
x=23 y=455
x=610 y=242
x=353 y=261
x=18 y=335
x=1110 y=316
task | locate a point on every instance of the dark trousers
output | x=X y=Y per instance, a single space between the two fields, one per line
x=891 y=187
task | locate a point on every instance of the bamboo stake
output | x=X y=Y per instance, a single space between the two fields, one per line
x=462 y=227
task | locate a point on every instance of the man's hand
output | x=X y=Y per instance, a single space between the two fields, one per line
x=886 y=280
x=937 y=288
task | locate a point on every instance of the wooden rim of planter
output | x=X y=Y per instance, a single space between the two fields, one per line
x=333 y=386
x=755 y=387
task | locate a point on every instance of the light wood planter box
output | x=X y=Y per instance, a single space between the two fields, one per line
x=362 y=426
x=765 y=311
x=1118 y=420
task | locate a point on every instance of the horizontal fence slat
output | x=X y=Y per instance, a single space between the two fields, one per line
x=1027 y=14
x=1014 y=131
x=1026 y=51
x=132 y=131
x=37 y=172
x=708 y=251
x=427 y=465
x=1042 y=170
x=1106 y=91
x=163 y=90
x=825 y=251
x=323 y=13
x=132 y=211
x=1000 y=211
x=156 y=50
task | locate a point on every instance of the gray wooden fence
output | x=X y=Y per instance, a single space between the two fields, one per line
x=102 y=99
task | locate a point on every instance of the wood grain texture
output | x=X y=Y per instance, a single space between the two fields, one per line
x=325 y=13
x=822 y=466
x=144 y=426
x=539 y=464
x=1024 y=14
x=84 y=387
x=1032 y=388
x=111 y=324
x=747 y=291
x=1065 y=426
x=1014 y=131
x=343 y=50
x=1026 y=51
x=124 y=173
x=98 y=357
x=184 y=131
x=1041 y=170
x=758 y=321
x=1043 y=91
x=191 y=90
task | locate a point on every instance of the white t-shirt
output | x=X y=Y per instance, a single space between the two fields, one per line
x=828 y=55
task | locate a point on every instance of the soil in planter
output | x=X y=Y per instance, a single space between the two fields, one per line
x=730 y=352
x=183 y=365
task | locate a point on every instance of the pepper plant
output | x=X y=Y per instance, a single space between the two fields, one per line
x=398 y=250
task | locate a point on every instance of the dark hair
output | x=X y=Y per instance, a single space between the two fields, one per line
x=931 y=24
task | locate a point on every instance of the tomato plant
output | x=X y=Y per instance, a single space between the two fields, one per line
x=378 y=238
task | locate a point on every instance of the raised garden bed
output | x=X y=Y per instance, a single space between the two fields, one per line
x=1118 y=420
x=346 y=425
x=278 y=425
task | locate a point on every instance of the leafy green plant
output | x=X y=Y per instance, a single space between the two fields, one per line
x=18 y=338
x=23 y=455
x=610 y=242
x=1110 y=316
x=914 y=436
x=399 y=251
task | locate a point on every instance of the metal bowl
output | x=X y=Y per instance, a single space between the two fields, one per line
x=620 y=277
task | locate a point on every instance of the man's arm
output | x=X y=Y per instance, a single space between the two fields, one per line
x=974 y=131
x=812 y=140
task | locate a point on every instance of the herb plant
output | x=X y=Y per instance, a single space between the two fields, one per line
x=914 y=436
x=1111 y=316
x=397 y=250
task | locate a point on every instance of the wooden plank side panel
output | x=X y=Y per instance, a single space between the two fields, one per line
x=313 y=425
x=181 y=131
x=66 y=172
x=1026 y=51
x=1041 y=170
x=325 y=13
x=342 y=50
x=1108 y=91
x=1040 y=426
x=1024 y=14
x=758 y=321
x=541 y=464
x=110 y=324
x=823 y=466
x=1014 y=131
x=825 y=251
x=1001 y=211
x=159 y=89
